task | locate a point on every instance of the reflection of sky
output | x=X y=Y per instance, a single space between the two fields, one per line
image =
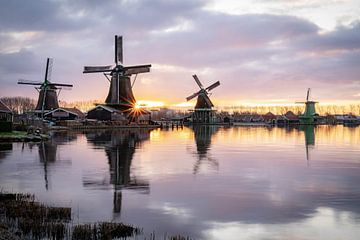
x=263 y=187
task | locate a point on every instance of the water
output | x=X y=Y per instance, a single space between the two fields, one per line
x=206 y=183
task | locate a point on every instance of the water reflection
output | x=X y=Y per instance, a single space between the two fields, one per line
x=309 y=132
x=263 y=190
x=5 y=149
x=48 y=150
x=203 y=135
x=120 y=147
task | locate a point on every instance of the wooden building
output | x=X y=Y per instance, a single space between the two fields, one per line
x=6 y=118
x=65 y=114
x=106 y=113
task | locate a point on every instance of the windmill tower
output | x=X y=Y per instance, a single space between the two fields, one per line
x=120 y=94
x=203 y=113
x=308 y=117
x=48 y=91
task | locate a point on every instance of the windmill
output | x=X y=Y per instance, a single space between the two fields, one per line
x=203 y=112
x=48 y=91
x=308 y=117
x=120 y=94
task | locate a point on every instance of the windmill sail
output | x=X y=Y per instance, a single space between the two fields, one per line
x=60 y=85
x=198 y=81
x=308 y=94
x=136 y=69
x=212 y=86
x=28 y=82
x=118 y=49
x=93 y=69
x=48 y=72
x=192 y=96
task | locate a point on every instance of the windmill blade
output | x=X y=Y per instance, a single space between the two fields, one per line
x=136 y=69
x=29 y=82
x=212 y=86
x=49 y=66
x=207 y=100
x=64 y=88
x=94 y=69
x=198 y=81
x=308 y=94
x=61 y=85
x=118 y=49
x=192 y=96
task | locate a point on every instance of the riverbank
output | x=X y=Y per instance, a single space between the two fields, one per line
x=22 y=217
x=20 y=136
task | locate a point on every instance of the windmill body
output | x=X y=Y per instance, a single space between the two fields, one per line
x=48 y=100
x=203 y=112
x=309 y=115
x=48 y=91
x=120 y=95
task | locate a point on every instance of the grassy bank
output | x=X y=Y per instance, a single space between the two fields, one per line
x=20 y=136
x=22 y=217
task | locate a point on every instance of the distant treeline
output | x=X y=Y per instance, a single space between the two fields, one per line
x=298 y=109
x=23 y=104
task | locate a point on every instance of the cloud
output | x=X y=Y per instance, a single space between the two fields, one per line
x=14 y=62
x=255 y=56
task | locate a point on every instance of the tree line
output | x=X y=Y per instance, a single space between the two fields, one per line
x=20 y=105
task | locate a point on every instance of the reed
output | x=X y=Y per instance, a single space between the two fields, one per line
x=26 y=218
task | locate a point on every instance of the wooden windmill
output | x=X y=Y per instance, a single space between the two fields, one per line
x=48 y=91
x=120 y=94
x=203 y=113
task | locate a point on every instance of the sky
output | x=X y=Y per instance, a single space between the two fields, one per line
x=261 y=51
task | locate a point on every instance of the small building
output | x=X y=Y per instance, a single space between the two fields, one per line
x=249 y=118
x=105 y=113
x=6 y=118
x=288 y=118
x=291 y=118
x=269 y=118
x=65 y=114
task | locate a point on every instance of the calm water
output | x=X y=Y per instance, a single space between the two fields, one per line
x=207 y=182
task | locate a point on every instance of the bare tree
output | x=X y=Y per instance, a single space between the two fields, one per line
x=19 y=104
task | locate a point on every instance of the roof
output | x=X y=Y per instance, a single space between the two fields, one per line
x=107 y=108
x=74 y=111
x=291 y=116
x=269 y=116
x=4 y=108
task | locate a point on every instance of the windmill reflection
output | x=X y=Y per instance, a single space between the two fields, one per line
x=309 y=132
x=48 y=150
x=203 y=135
x=5 y=149
x=120 y=147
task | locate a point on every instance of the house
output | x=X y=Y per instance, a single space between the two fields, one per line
x=65 y=114
x=6 y=118
x=269 y=118
x=288 y=118
x=253 y=118
x=106 y=113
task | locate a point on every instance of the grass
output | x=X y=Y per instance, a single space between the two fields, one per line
x=22 y=217
x=13 y=134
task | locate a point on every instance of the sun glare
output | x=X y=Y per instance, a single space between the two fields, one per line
x=148 y=104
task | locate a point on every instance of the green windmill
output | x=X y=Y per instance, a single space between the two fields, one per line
x=308 y=117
